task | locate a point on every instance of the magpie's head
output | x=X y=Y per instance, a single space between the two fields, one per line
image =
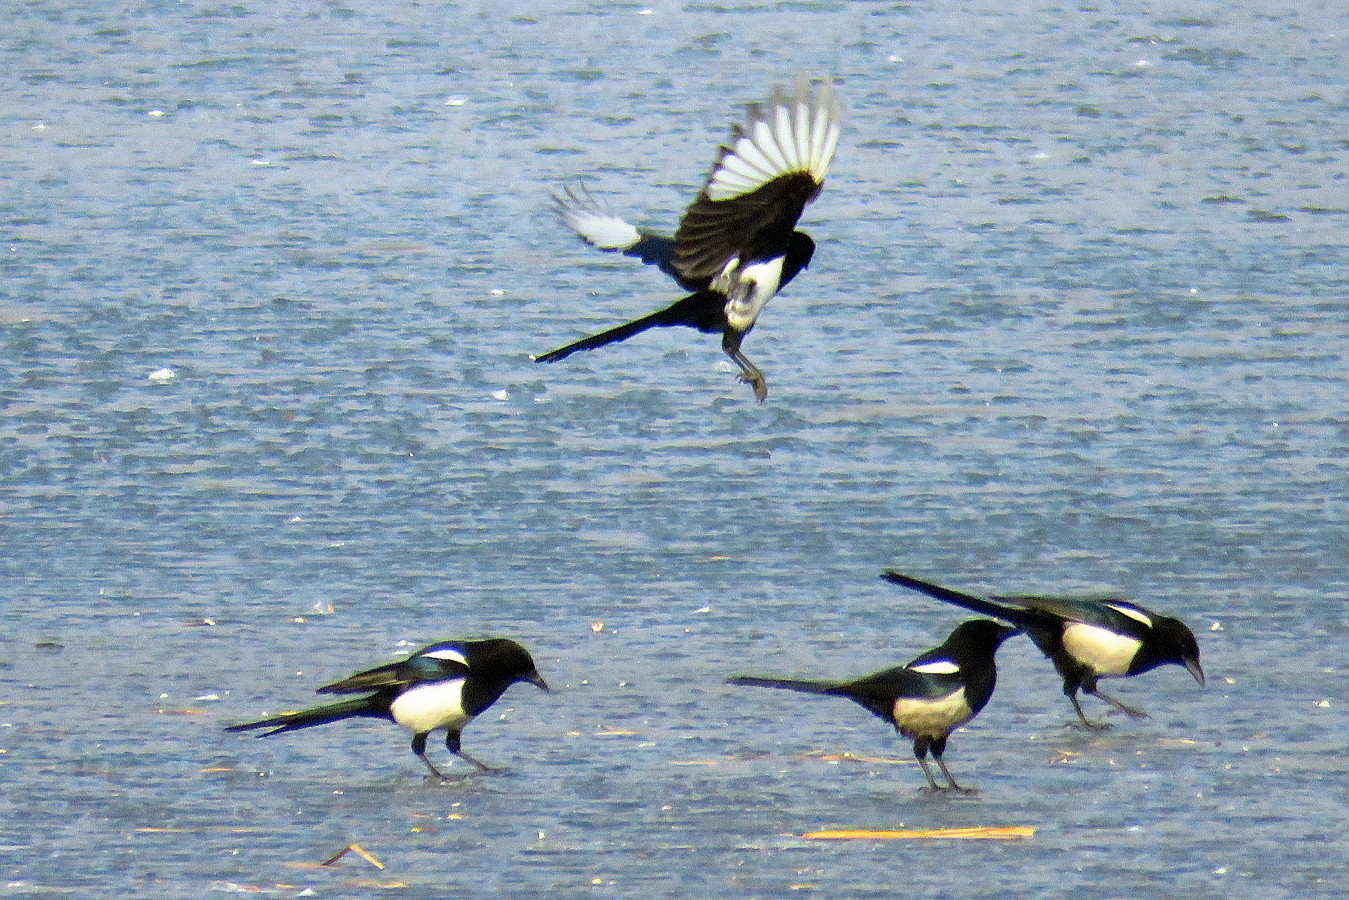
x=1173 y=642
x=800 y=249
x=1189 y=653
x=536 y=679
x=1004 y=631
x=978 y=637
x=503 y=659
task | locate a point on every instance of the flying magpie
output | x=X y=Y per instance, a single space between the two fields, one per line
x=736 y=246
x=1085 y=639
x=442 y=685
x=927 y=699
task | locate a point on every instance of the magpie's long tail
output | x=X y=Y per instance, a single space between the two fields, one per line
x=1012 y=614
x=789 y=684
x=664 y=317
x=318 y=715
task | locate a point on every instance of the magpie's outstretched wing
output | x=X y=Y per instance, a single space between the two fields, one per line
x=600 y=228
x=771 y=168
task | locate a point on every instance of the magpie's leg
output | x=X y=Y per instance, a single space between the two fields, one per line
x=927 y=770
x=749 y=373
x=419 y=748
x=938 y=749
x=452 y=743
x=1070 y=691
x=1127 y=710
x=920 y=748
x=951 y=781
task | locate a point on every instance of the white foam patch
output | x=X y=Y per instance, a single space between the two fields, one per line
x=938 y=667
x=1100 y=649
x=932 y=717
x=796 y=134
x=439 y=704
x=448 y=653
x=1135 y=614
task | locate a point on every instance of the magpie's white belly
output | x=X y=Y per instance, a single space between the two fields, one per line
x=748 y=290
x=1104 y=651
x=932 y=717
x=428 y=706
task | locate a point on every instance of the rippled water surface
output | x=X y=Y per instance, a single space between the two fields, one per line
x=1076 y=324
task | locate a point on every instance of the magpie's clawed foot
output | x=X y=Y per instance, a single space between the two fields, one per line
x=1088 y=725
x=1129 y=711
x=482 y=768
x=757 y=382
x=949 y=790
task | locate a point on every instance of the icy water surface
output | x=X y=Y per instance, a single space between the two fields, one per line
x=1076 y=323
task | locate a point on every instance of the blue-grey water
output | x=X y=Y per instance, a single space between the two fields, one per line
x=1076 y=324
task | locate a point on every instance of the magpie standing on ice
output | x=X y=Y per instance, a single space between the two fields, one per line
x=927 y=699
x=443 y=685
x=736 y=246
x=1085 y=639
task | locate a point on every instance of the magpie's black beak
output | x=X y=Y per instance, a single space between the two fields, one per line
x=1192 y=665
x=536 y=679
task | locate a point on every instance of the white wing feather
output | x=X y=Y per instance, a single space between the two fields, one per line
x=795 y=134
x=593 y=223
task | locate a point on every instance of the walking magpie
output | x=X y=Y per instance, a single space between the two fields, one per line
x=1085 y=639
x=442 y=685
x=736 y=246
x=927 y=699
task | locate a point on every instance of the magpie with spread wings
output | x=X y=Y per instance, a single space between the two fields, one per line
x=736 y=246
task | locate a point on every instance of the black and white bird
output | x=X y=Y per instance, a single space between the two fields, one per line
x=927 y=699
x=736 y=246
x=1086 y=639
x=443 y=685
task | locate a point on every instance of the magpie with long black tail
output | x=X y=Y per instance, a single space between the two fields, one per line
x=736 y=245
x=927 y=699
x=1086 y=639
x=442 y=685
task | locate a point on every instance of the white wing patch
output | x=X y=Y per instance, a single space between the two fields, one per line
x=938 y=667
x=1100 y=649
x=593 y=223
x=1135 y=614
x=797 y=134
x=448 y=653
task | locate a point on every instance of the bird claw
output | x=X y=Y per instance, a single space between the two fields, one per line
x=758 y=383
x=1088 y=725
x=943 y=790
